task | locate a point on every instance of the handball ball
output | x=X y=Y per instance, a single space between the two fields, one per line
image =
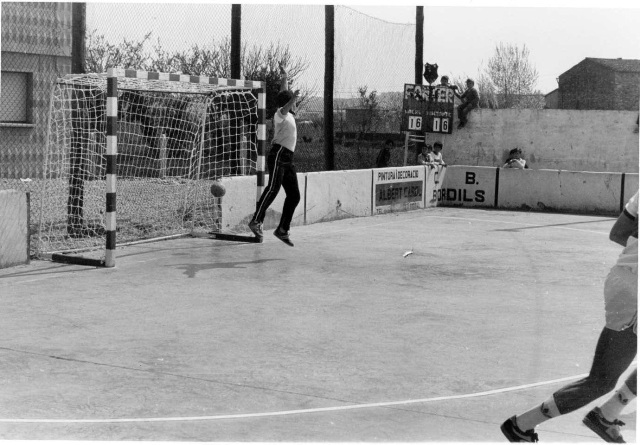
x=217 y=189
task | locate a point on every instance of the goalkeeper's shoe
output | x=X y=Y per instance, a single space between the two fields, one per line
x=511 y=431
x=284 y=236
x=608 y=430
x=256 y=228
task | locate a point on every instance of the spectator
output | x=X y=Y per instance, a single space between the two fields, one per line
x=470 y=100
x=425 y=157
x=444 y=82
x=436 y=156
x=516 y=160
x=384 y=155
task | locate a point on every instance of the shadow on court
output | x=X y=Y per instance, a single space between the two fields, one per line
x=339 y=339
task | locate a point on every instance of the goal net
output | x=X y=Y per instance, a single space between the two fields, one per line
x=175 y=134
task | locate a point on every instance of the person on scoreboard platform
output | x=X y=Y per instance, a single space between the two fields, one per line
x=282 y=172
x=516 y=160
x=615 y=350
x=470 y=100
x=444 y=82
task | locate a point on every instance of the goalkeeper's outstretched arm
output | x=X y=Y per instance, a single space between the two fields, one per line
x=284 y=78
x=284 y=86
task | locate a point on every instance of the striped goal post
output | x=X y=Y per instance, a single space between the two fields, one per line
x=152 y=142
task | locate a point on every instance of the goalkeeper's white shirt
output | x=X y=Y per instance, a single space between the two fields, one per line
x=285 y=132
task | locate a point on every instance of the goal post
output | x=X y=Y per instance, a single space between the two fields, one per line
x=165 y=137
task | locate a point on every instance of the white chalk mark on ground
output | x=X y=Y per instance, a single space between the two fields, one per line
x=301 y=411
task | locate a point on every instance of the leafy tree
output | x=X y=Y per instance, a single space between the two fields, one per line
x=512 y=74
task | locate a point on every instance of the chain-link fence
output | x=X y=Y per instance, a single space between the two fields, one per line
x=373 y=60
x=36 y=50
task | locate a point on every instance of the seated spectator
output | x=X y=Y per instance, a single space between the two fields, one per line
x=436 y=156
x=425 y=157
x=470 y=100
x=384 y=155
x=516 y=160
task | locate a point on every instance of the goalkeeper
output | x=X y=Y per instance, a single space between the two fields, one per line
x=282 y=172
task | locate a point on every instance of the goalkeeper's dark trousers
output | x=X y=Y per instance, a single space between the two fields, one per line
x=614 y=353
x=282 y=173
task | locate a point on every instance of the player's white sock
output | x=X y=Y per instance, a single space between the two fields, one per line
x=538 y=414
x=612 y=408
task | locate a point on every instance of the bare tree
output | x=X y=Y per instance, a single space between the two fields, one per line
x=485 y=88
x=512 y=74
x=368 y=104
x=100 y=54
x=212 y=60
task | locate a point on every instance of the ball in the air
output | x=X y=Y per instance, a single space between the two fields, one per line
x=217 y=189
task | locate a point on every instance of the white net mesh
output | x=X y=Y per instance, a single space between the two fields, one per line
x=174 y=139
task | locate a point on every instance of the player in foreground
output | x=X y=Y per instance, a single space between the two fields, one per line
x=282 y=172
x=614 y=353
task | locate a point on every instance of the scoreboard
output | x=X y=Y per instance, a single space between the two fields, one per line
x=427 y=109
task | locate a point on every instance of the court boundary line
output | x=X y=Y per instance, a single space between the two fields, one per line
x=301 y=411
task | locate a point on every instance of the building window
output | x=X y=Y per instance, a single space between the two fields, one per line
x=15 y=106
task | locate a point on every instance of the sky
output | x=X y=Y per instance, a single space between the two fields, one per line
x=460 y=36
x=558 y=34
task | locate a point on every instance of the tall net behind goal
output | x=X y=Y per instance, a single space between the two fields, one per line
x=174 y=135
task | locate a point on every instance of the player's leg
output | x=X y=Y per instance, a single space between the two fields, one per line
x=276 y=173
x=614 y=353
x=290 y=185
x=603 y=420
x=463 y=110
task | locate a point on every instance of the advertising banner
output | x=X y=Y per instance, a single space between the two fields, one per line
x=398 y=189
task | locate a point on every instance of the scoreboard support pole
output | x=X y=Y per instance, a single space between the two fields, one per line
x=409 y=137
x=406 y=147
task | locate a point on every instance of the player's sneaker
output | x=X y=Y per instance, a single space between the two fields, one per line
x=256 y=228
x=609 y=431
x=511 y=431
x=284 y=236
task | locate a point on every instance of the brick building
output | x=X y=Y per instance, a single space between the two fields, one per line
x=600 y=84
x=36 y=49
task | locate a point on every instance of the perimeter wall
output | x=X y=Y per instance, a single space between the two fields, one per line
x=327 y=196
x=579 y=140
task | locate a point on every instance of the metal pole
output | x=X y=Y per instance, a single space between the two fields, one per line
x=236 y=52
x=419 y=43
x=329 y=36
x=78 y=31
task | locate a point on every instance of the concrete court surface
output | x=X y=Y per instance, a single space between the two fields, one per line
x=339 y=339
